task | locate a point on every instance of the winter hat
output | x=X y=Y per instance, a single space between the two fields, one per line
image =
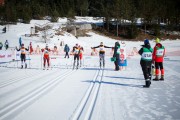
x=117 y=44
x=146 y=41
x=157 y=40
x=101 y=43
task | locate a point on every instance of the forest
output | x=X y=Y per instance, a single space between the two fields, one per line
x=153 y=12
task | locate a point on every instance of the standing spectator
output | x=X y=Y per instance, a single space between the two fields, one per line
x=116 y=55
x=81 y=54
x=123 y=60
x=158 y=57
x=4 y=30
x=146 y=61
x=31 y=48
x=55 y=51
x=1 y=45
x=66 y=50
x=6 y=44
x=37 y=51
x=20 y=41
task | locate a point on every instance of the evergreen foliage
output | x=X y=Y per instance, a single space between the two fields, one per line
x=152 y=11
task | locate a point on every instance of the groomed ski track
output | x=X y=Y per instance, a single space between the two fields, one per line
x=89 y=93
x=12 y=108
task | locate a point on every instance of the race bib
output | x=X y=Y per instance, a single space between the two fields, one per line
x=101 y=49
x=147 y=56
x=76 y=51
x=160 y=52
x=46 y=51
x=23 y=51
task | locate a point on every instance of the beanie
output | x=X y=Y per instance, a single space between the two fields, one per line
x=157 y=40
x=146 y=41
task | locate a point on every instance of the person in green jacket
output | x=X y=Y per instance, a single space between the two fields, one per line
x=116 y=55
x=146 y=61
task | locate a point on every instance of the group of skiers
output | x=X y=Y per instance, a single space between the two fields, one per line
x=151 y=56
x=77 y=52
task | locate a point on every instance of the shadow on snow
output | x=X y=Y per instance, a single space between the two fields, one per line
x=113 y=83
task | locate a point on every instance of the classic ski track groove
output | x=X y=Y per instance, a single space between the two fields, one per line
x=18 y=105
x=93 y=91
x=17 y=79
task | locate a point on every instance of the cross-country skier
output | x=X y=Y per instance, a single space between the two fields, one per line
x=76 y=52
x=46 y=52
x=158 y=57
x=146 y=61
x=101 y=53
x=116 y=55
x=23 y=55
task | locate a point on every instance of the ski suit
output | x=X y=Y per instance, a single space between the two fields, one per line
x=116 y=55
x=76 y=52
x=101 y=54
x=23 y=55
x=146 y=62
x=158 y=57
x=46 y=56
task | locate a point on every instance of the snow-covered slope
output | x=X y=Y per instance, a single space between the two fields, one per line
x=87 y=93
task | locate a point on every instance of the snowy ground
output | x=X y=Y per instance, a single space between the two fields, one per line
x=87 y=93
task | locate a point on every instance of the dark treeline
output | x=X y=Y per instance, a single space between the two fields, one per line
x=152 y=11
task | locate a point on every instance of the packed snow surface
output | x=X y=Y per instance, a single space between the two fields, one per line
x=89 y=92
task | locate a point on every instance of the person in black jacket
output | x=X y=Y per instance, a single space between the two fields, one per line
x=116 y=55
x=101 y=53
x=76 y=52
x=146 y=61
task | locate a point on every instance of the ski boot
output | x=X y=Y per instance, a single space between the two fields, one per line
x=147 y=83
x=156 y=78
x=76 y=67
x=74 y=64
x=21 y=66
x=162 y=78
x=25 y=65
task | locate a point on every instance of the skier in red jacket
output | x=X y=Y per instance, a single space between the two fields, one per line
x=158 y=57
x=46 y=52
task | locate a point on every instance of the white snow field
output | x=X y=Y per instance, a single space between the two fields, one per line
x=61 y=93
